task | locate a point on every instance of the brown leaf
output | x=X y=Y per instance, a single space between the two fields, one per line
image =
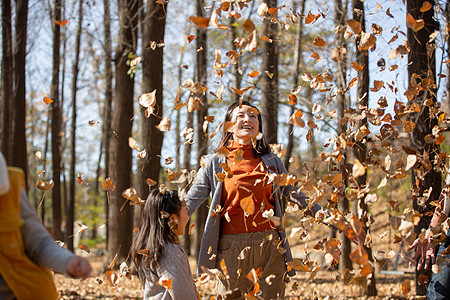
x=164 y=125
x=377 y=29
x=165 y=282
x=406 y=287
x=426 y=6
x=296 y=119
x=358 y=169
x=108 y=185
x=248 y=25
x=44 y=185
x=200 y=21
x=354 y=25
x=319 y=42
x=356 y=66
x=359 y=256
x=414 y=24
x=242 y=91
x=367 y=41
x=310 y=18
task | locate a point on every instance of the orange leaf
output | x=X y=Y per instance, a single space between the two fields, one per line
x=359 y=256
x=200 y=21
x=136 y=229
x=426 y=6
x=191 y=38
x=249 y=26
x=354 y=25
x=84 y=247
x=292 y=99
x=319 y=42
x=263 y=37
x=273 y=12
x=47 y=100
x=241 y=92
x=414 y=24
x=164 y=282
x=248 y=205
x=310 y=18
x=356 y=66
x=61 y=23
x=316 y=56
x=108 y=185
x=253 y=74
x=296 y=119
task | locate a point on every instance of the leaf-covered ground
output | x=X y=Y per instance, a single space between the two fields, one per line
x=323 y=286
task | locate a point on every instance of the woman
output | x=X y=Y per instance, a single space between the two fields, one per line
x=237 y=230
x=162 y=265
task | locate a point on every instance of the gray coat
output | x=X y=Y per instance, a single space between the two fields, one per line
x=206 y=185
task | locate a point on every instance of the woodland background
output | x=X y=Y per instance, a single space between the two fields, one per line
x=103 y=100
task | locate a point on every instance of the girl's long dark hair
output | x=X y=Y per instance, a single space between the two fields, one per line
x=154 y=232
x=260 y=147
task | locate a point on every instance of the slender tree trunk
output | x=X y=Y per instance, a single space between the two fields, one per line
x=107 y=117
x=312 y=143
x=56 y=125
x=340 y=18
x=235 y=68
x=152 y=68
x=422 y=64
x=120 y=223
x=201 y=77
x=296 y=72
x=269 y=109
x=360 y=147
x=7 y=83
x=71 y=207
x=47 y=131
x=447 y=98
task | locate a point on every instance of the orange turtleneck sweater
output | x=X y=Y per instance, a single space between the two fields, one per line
x=247 y=180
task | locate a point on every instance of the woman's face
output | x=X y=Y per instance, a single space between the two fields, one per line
x=246 y=127
x=182 y=219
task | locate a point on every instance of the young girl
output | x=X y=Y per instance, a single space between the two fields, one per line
x=162 y=264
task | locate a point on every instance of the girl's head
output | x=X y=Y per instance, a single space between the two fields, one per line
x=246 y=128
x=163 y=218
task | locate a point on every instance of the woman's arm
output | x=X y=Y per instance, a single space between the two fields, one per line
x=200 y=190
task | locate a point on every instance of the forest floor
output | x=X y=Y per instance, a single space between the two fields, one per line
x=396 y=280
x=323 y=286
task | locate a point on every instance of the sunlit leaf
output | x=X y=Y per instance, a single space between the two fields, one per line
x=253 y=74
x=108 y=185
x=47 y=100
x=248 y=205
x=319 y=42
x=165 y=282
x=164 y=125
x=414 y=24
x=191 y=38
x=426 y=6
x=248 y=25
x=200 y=21
x=44 y=185
x=61 y=23
x=297 y=119
x=354 y=25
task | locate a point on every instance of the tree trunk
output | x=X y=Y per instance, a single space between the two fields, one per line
x=107 y=117
x=152 y=79
x=235 y=68
x=71 y=207
x=56 y=125
x=421 y=64
x=200 y=76
x=296 y=72
x=340 y=18
x=120 y=222
x=447 y=98
x=7 y=83
x=360 y=147
x=269 y=109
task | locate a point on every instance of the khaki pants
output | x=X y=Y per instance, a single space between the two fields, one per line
x=261 y=253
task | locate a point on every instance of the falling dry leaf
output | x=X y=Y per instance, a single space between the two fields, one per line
x=47 y=100
x=164 y=125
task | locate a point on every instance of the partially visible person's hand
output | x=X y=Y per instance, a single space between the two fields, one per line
x=426 y=251
x=79 y=267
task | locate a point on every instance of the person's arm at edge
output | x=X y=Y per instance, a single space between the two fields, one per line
x=199 y=191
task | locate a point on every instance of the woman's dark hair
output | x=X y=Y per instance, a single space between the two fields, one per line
x=154 y=231
x=260 y=147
